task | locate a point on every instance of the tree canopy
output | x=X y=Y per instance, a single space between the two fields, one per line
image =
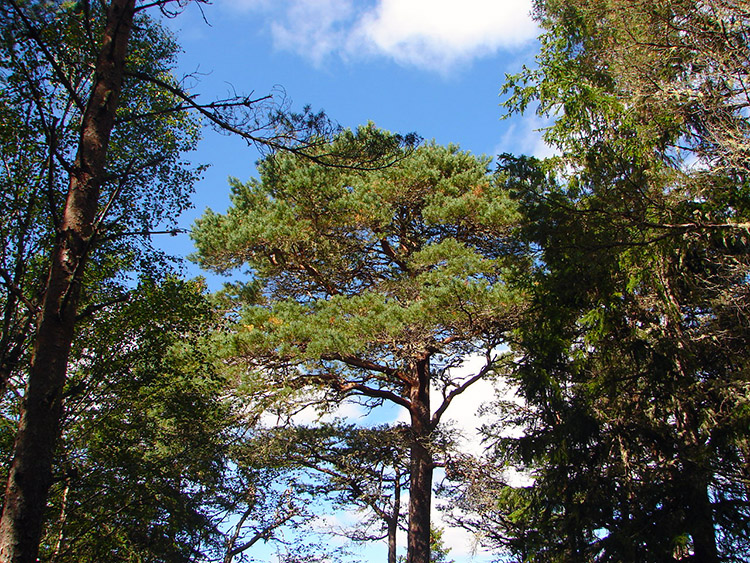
x=372 y=284
x=633 y=364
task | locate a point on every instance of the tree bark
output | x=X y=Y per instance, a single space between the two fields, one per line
x=701 y=523
x=30 y=473
x=420 y=481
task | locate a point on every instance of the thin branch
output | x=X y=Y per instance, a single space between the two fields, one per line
x=319 y=278
x=698 y=226
x=362 y=389
x=276 y=142
x=351 y=484
x=113 y=197
x=390 y=253
x=207 y=110
x=34 y=34
x=50 y=187
x=91 y=309
x=355 y=361
x=15 y=290
x=259 y=535
x=162 y=5
x=145 y=233
x=460 y=389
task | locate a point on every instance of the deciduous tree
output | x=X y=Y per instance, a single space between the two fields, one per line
x=94 y=126
x=143 y=464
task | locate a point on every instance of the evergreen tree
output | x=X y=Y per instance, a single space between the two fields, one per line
x=633 y=358
x=372 y=285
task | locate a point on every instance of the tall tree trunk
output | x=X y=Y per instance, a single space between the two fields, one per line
x=420 y=482
x=701 y=522
x=30 y=473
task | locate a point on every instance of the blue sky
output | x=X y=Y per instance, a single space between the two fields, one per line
x=434 y=67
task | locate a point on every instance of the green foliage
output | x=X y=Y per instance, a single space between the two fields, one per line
x=147 y=182
x=370 y=285
x=438 y=552
x=141 y=469
x=633 y=358
x=657 y=79
x=152 y=465
x=365 y=262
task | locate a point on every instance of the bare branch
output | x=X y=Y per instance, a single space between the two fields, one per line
x=91 y=309
x=297 y=136
x=488 y=366
x=355 y=361
x=261 y=534
x=362 y=389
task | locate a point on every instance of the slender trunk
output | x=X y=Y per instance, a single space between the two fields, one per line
x=392 y=522
x=392 y=545
x=420 y=481
x=30 y=473
x=61 y=522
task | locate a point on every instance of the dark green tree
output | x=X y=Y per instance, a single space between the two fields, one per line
x=632 y=357
x=372 y=285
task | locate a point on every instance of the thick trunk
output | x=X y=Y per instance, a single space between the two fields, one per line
x=420 y=482
x=30 y=473
x=701 y=524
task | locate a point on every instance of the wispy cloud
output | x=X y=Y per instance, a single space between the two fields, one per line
x=314 y=28
x=435 y=35
x=526 y=136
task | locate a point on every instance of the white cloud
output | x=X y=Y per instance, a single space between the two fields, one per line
x=347 y=410
x=432 y=34
x=437 y=34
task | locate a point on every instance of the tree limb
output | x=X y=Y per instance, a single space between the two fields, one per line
x=15 y=290
x=355 y=361
x=280 y=140
x=460 y=389
x=362 y=389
